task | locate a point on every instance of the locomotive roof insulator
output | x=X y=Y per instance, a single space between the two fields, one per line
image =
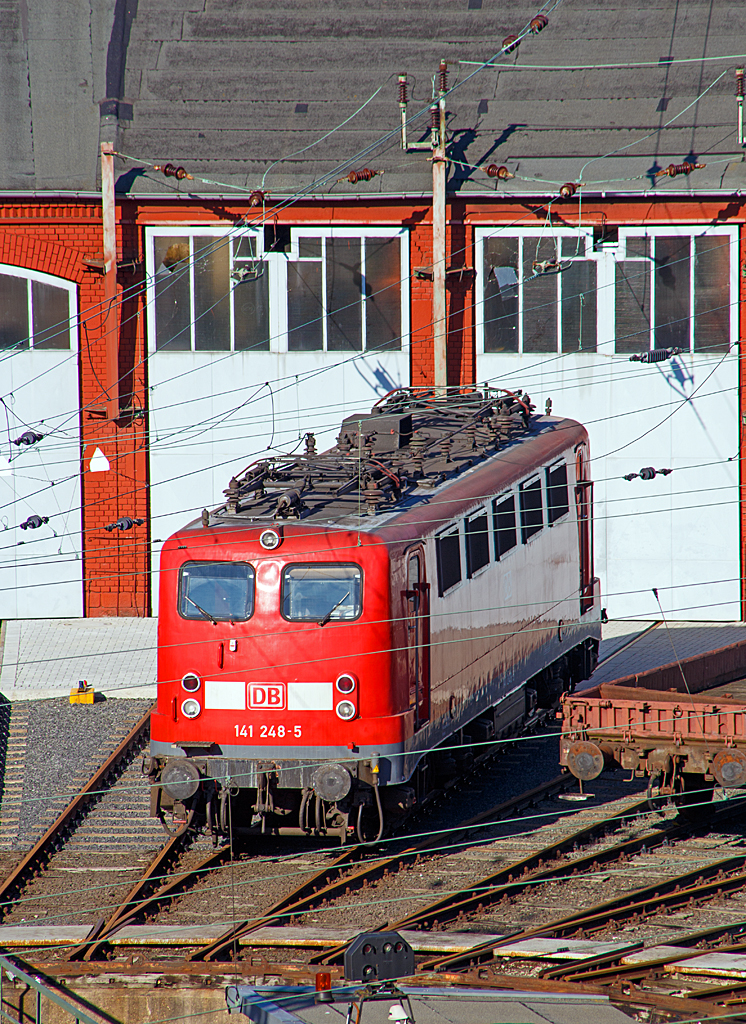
x=289 y=504
x=373 y=497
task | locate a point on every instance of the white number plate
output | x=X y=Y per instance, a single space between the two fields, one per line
x=268 y=731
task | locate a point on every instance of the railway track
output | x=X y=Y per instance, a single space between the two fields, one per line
x=560 y=845
x=166 y=875
x=37 y=858
x=340 y=877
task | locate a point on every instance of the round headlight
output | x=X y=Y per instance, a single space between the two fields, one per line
x=180 y=779
x=346 y=683
x=191 y=682
x=191 y=708
x=269 y=539
x=346 y=710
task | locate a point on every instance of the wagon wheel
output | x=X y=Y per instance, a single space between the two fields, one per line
x=694 y=795
x=655 y=807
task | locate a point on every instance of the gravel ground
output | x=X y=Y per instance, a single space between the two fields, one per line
x=65 y=744
x=111 y=843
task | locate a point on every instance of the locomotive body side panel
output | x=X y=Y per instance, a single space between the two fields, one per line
x=511 y=618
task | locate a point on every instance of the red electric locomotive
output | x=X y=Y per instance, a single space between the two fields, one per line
x=335 y=636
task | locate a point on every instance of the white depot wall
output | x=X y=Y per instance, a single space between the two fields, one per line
x=678 y=533
x=41 y=571
x=214 y=413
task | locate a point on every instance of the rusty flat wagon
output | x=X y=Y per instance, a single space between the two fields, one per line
x=682 y=724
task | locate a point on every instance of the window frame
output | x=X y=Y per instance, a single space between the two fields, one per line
x=321 y=565
x=606 y=254
x=277 y=267
x=453 y=529
x=326 y=233
x=200 y=618
x=505 y=496
x=535 y=235
x=522 y=488
x=553 y=520
x=682 y=231
x=472 y=573
x=10 y=270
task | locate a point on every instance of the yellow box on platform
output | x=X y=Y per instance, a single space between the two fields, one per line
x=82 y=694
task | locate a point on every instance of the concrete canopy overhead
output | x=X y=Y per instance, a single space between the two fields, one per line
x=227 y=87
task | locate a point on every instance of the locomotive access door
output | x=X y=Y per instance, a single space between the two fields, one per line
x=417 y=599
x=584 y=506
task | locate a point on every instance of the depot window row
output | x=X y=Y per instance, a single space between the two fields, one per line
x=615 y=290
x=224 y=591
x=491 y=533
x=294 y=290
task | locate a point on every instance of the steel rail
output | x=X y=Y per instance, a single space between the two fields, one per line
x=684 y=888
x=43 y=849
x=722 y=934
x=330 y=882
x=139 y=902
x=631 y=972
x=518 y=875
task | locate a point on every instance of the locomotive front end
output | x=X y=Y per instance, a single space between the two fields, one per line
x=275 y=695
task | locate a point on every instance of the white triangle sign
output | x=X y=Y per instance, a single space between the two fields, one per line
x=99 y=463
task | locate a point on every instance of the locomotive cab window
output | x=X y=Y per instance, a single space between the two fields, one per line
x=532 y=512
x=477 y=542
x=448 y=551
x=503 y=519
x=322 y=592
x=216 y=590
x=557 y=502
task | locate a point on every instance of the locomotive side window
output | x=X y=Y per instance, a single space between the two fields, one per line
x=503 y=521
x=557 y=502
x=217 y=590
x=477 y=542
x=532 y=513
x=448 y=550
x=322 y=592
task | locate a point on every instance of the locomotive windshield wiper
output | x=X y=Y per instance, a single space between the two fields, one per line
x=201 y=609
x=332 y=610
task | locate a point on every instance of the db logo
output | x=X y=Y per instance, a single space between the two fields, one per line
x=267 y=696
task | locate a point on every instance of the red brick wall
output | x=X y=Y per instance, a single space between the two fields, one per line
x=55 y=239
